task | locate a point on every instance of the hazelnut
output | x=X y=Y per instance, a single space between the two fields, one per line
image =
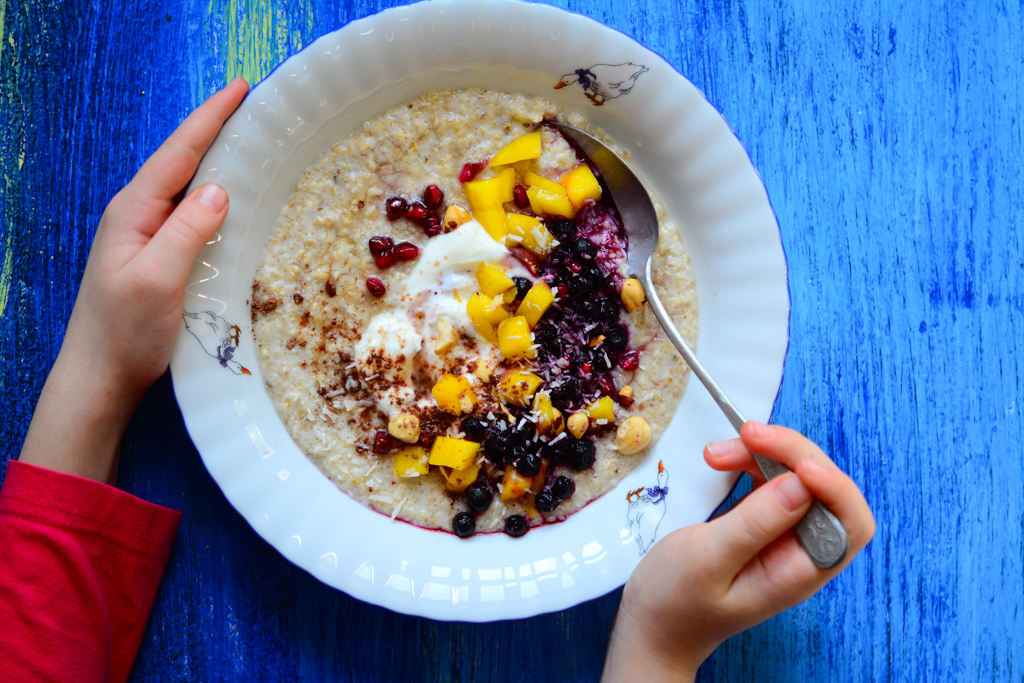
x=454 y=216
x=578 y=424
x=405 y=427
x=633 y=435
x=632 y=294
x=446 y=336
x=626 y=392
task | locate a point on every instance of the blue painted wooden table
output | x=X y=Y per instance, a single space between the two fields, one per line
x=890 y=139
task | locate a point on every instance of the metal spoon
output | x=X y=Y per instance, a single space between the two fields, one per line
x=821 y=534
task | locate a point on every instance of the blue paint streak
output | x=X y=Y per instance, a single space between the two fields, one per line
x=889 y=138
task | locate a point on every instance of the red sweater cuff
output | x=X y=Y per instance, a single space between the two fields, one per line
x=88 y=507
x=80 y=564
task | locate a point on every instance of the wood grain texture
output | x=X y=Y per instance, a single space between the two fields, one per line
x=889 y=137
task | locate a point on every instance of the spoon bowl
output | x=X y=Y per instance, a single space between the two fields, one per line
x=822 y=535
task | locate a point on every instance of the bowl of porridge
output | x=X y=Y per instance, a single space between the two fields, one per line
x=414 y=358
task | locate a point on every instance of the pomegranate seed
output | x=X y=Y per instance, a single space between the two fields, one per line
x=380 y=244
x=630 y=360
x=432 y=226
x=416 y=212
x=608 y=386
x=575 y=266
x=520 y=197
x=395 y=208
x=376 y=286
x=385 y=260
x=586 y=367
x=433 y=196
x=406 y=251
x=381 y=442
x=470 y=170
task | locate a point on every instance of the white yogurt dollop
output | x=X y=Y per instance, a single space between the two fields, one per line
x=442 y=280
x=386 y=350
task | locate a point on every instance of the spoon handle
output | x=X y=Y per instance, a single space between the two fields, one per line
x=820 y=533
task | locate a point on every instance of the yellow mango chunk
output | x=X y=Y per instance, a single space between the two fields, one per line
x=459 y=480
x=490 y=193
x=493 y=221
x=549 y=418
x=478 y=309
x=411 y=462
x=514 y=485
x=531 y=234
x=581 y=185
x=454 y=395
x=514 y=338
x=536 y=302
x=517 y=387
x=492 y=280
x=531 y=179
x=546 y=203
x=520 y=149
x=457 y=454
x=601 y=409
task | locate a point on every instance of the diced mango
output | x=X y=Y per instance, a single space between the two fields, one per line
x=546 y=203
x=582 y=185
x=490 y=193
x=532 y=234
x=493 y=221
x=601 y=409
x=457 y=454
x=492 y=280
x=531 y=179
x=516 y=387
x=411 y=462
x=496 y=312
x=454 y=394
x=514 y=485
x=549 y=418
x=514 y=338
x=538 y=480
x=520 y=149
x=478 y=310
x=536 y=302
x=459 y=480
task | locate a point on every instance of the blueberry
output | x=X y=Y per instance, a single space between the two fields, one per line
x=602 y=363
x=608 y=309
x=498 y=441
x=584 y=247
x=473 y=426
x=563 y=487
x=478 y=497
x=556 y=452
x=528 y=465
x=516 y=526
x=581 y=455
x=563 y=229
x=517 y=452
x=546 y=501
x=464 y=524
x=591 y=309
x=522 y=286
x=616 y=337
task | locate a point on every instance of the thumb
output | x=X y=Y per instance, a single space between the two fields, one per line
x=169 y=256
x=756 y=521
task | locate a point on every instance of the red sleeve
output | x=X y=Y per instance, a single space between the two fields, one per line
x=80 y=563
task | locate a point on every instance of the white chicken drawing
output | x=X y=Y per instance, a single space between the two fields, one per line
x=646 y=510
x=604 y=81
x=217 y=336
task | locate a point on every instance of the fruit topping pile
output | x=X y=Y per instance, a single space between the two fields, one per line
x=521 y=435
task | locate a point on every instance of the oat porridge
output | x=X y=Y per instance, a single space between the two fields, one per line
x=446 y=324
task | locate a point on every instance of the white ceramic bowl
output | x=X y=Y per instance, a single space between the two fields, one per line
x=685 y=152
